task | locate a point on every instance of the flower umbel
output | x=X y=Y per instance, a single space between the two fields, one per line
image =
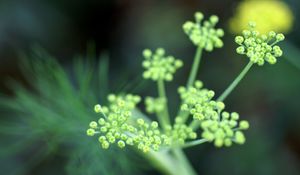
x=198 y=101
x=203 y=33
x=117 y=126
x=225 y=130
x=159 y=66
x=259 y=48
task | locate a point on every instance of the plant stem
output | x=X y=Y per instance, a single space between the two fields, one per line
x=195 y=67
x=235 y=82
x=164 y=117
x=184 y=162
x=194 y=143
x=195 y=124
x=170 y=164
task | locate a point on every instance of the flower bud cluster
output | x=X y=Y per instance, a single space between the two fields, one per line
x=203 y=33
x=180 y=132
x=155 y=105
x=198 y=102
x=116 y=127
x=219 y=127
x=149 y=137
x=159 y=66
x=259 y=48
x=226 y=130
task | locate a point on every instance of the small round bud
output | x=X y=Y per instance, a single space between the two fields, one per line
x=154 y=125
x=178 y=63
x=272 y=34
x=240 y=50
x=140 y=121
x=105 y=145
x=239 y=137
x=90 y=132
x=97 y=108
x=244 y=124
x=93 y=124
x=199 y=16
x=147 y=53
x=198 y=84
x=111 y=97
x=219 y=143
x=121 y=143
x=214 y=19
x=280 y=37
x=188 y=26
x=239 y=39
x=160 y=51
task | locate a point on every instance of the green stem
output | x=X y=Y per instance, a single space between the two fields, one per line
x=183 y=161
x=170 y=164
x=164 y=117
x=194 y=143
x=195 y=67
x=194 y=124
x=235 y=82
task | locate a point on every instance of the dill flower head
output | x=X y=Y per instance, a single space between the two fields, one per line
x=268 y=14
x=225 y=130
x=180 y=132
x=203 y=33
x=259 y=48
x=198 y=101
x=117 y=127
x=158 y=66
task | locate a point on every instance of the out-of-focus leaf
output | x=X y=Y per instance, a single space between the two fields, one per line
x=51 y=118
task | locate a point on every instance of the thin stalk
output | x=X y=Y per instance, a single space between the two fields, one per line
x=164 y=117
x=195 y=67
x=195 y=124
x=235 y=82
x=192 y=78
x=194 y=143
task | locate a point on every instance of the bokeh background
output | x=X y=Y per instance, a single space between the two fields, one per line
x=43 y=117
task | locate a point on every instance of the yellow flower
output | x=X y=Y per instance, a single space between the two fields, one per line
x=268 y=14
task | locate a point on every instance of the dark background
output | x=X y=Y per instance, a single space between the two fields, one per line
x=268 y=97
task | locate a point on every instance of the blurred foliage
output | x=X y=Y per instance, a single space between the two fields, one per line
x=49 y=121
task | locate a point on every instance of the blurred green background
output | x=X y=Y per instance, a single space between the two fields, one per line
x=47 y=100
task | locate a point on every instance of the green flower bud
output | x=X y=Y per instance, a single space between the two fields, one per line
x=239 y=137
x=90 y=132
x=244 y=124
x=280 y=37
x=121 y=144
x=147 y=53
x=239 y=39
x=199 y=16
x=97 y=108
x=105 y=145
x=93 y=124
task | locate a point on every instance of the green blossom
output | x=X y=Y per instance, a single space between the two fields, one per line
x=159 y=66
x=198 y=101
x=259 y=48
x=154 y=105
x=180 y=132
x=203 y=33
x=116 y=126
x=225 y=130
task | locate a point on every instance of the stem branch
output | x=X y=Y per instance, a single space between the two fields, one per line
x=164 y=117
x=195 y=67
x=235 y=82
x=194 y=143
